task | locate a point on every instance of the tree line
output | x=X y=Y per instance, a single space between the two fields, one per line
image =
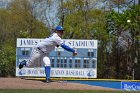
x=114 y=23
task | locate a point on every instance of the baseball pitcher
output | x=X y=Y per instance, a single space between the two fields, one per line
x=42 y=50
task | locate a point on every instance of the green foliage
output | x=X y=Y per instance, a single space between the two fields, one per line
x=83 y=22
x=117 y=25
x=17 y=21
x=24 y=20
x=133 y=14
x=7 y=60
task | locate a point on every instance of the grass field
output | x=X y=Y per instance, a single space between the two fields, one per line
x=59 y=91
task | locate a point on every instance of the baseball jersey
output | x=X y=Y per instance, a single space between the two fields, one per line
x=49 y=44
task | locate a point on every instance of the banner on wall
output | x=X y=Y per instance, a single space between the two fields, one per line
x=57 y=72
x=130 y=86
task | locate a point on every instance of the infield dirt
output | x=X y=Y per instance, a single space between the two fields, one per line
x=18 y=83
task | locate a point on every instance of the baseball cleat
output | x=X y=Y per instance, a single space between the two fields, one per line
x=21 y=64
x=47 y=81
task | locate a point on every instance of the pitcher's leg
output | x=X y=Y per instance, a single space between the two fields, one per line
x=34 y=58
x=46 y=61
x=35 y=55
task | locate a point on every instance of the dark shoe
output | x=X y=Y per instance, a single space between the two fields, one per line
x=21 y=64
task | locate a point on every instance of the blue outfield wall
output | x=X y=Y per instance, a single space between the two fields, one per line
x=108 y=84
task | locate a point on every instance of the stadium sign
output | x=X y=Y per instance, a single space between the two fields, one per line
x=63 y=63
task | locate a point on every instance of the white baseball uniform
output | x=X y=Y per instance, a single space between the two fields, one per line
x=41 y=50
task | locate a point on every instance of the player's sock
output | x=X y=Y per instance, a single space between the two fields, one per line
x=47 y=72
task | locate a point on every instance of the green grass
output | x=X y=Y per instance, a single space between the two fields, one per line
x=59 y=91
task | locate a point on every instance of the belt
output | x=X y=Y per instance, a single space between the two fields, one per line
x=40 y=49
